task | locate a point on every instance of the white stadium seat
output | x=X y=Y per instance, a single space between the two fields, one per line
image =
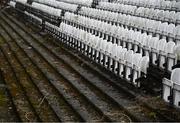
x=171 y=88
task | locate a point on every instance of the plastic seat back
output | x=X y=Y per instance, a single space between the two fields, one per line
x=175 y=76
x=144 y=64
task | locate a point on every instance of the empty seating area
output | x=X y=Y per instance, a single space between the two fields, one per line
x=151 y=27
x=130 y=39
x=125 y=37
x=59 y=5
x=47 y=9
x=115 y=58
x=79 y=2
x=150 y=13
x=157 y=4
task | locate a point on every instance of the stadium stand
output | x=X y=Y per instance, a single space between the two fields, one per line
x=125 y=37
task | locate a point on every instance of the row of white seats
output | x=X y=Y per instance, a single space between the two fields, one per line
x=171 y=88
x=174 y=0
x=159 y=4
x=107 y=1
x=119 y=60
x=161 y=30
x=37 y=20
x=151 y=13
x=21 y=1
x=45 y=12
x=79 y=2
x=47 y=9
x=130 y=39
x=59 y=5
